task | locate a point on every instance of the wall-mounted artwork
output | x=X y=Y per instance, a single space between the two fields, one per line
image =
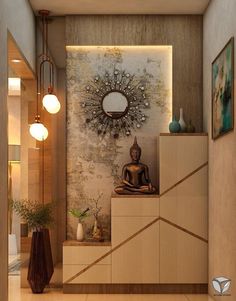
x=115 y=103
x=97 y=145
x=223 y=91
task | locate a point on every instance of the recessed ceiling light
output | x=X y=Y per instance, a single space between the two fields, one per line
x=16 y=61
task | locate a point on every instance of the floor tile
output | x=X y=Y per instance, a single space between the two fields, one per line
x=109 y=297
x=199 y=298
x=17 y=294
x=134 y=297
x=158 y=297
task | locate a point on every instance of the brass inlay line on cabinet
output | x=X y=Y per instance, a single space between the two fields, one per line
x=183 y=179
x=183 y=229
x=144 y=228
x=114 y=249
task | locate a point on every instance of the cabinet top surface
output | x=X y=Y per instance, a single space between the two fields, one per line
x=134 y=196
x=86 y=243
x=184 y=134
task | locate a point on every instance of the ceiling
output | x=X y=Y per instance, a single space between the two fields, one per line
x=76 y=7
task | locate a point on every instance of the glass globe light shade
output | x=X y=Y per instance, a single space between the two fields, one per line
x=38 y=131
x=51 y=103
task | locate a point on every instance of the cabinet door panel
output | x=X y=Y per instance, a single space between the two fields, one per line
x=179 y=156
x=138 y=260
x=187 y=206
x=96 y=274
x=135 y=206
x=183 y=258
x=85 y=254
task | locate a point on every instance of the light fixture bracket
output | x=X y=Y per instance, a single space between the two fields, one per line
x=37 y=118
x=44 y=12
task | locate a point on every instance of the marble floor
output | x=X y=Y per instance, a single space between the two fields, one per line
x=17 y=294
x=12 y=258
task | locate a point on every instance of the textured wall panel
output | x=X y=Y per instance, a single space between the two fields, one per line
x=184 y=33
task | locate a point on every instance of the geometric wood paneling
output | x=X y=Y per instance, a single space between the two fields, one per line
x=179 y=156
x=186 y=205
x=183 y=258
x=97 y=274
x=171 y=250
x=85 y=254
x=33 y=174
x=76 y=258
x=133 y=205
x=138 y=260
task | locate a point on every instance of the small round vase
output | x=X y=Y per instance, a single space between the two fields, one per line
x=181 y=121
x=174 y=126
x=80 y=232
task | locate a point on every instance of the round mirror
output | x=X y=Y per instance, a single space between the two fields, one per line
x=115 y=104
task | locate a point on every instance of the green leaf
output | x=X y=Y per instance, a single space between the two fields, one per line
x=36 y=214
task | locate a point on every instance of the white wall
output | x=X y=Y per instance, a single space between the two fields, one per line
x=219 y=27
x=20 y=21
x=17 y=17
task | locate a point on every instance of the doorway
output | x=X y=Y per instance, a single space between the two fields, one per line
x=23 y=160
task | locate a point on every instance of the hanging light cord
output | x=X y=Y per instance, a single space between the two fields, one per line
x=45 y=53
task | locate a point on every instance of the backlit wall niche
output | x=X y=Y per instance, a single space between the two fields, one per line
x=94 y=162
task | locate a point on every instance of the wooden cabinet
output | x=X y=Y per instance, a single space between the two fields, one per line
x=78 y=255
x=137 y=261
x=183 y=237
x=183 y=258
x=155 y=239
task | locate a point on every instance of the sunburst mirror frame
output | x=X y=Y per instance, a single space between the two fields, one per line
x=133 y=117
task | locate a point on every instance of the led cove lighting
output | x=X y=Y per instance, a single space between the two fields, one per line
x=15 y=60
x=71 y=47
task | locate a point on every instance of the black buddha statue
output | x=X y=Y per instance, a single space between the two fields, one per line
x=135 y=175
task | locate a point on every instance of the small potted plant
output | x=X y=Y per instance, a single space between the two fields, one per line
x=39 y=217
x=80 y=215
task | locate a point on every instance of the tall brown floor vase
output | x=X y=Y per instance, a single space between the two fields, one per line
x=40 y=264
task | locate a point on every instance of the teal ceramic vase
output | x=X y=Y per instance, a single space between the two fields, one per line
x=174 y=126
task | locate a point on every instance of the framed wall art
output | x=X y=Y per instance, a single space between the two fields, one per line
x=223 y=91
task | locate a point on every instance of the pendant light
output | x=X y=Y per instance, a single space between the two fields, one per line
x=50 y=100
x=38 y=130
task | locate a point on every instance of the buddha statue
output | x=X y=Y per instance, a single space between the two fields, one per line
x=135 y=175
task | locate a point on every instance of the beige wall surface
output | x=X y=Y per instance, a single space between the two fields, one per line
x=94 y=162
x=184 y=33
x=219 y=27
x=17 y=17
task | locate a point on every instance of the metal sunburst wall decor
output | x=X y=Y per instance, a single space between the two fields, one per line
x=114 y=103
